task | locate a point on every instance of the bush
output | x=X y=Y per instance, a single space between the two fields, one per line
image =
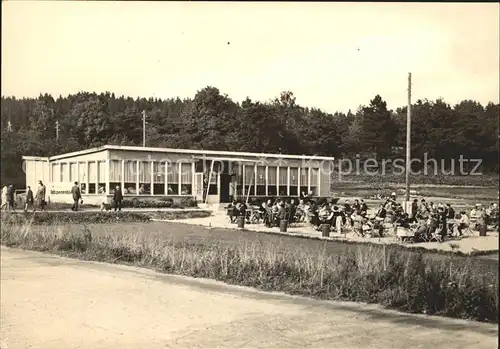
x=136 y=203
x=51 y=218
x=396 y=278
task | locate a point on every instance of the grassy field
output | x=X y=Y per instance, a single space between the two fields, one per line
x=367 y=190
x=388 y=179
x=186 y=233
x=424 y=282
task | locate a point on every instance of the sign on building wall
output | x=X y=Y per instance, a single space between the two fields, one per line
x=61 y=188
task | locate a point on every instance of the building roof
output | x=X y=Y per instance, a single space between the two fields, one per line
x=181 y=151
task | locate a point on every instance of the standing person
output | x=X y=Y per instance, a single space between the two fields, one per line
x=30 y=200
x=4 y=197
x=118 y=198
x=40 y=196
x=414 y=209
x=77 y=196
x=10 y=198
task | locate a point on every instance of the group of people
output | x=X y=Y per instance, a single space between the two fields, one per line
x=32 y=201
x=425 y=219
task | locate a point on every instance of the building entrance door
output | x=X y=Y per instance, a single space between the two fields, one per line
x=198 y=187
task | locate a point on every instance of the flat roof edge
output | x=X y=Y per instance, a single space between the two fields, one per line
x=215 y=152
x=78 y=153
x=186 y=151
x=28 y=157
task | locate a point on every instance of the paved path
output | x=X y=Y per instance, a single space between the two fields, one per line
x=55 y=303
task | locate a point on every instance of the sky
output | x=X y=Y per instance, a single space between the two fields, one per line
x=333 y=56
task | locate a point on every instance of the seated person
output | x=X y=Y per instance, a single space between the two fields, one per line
x=364 y=207
x=356 y=206
x=231 y=211
x=300 y=212
x=381 y=213
x=366 y=226
x=421 y=231
x=403 y=221
x=357 y=223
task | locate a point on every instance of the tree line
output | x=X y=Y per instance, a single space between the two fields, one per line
x=211 y=120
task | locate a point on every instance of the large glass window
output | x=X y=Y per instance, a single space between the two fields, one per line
x=82 y=176
x=115 y=175
x=130 y=177
x=261 y=180
x=314 y=181
x=304 y=180
x=283 y=181
x=173 y=178
x=158 y=178
x=64 y=173
x=56 y=172
x=144 y=178
x=73 y=172
x=272 y=189
x=92 y=177
x=294 y=181
x=101 y=177
x=249 y=180
x=187 y=179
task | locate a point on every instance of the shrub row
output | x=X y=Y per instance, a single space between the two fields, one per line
x=397 y=279
x=83 y=217
x=160 y=203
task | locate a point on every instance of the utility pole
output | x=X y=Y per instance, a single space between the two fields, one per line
x=144 y=128
x=408 y=142
x=57 y=129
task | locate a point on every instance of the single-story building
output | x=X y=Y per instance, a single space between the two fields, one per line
x=204 y=175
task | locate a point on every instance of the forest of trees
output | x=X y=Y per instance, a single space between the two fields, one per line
x=211 y=120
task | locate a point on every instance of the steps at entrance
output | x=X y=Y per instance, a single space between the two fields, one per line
x=212 y=207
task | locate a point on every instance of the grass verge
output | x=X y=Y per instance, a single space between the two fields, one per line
x=395 y=278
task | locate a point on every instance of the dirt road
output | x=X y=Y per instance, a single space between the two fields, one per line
x=56 y=303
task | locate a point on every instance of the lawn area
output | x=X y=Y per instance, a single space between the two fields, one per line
x=178 y=232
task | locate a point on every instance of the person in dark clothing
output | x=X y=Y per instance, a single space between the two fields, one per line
x=281 y=211
x=442 y=222
x=382 y=212
x=337 y=214
x=450 y=214
x=10 y=198
x=348 y=210
x=77 y=196
x=364 y=207
x=414 y=209
x=30 y=199
x=118 y=198
x=404 y=221
x=356 y=206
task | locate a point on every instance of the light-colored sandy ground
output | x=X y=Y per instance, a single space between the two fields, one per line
x=466 y=245
x=55 y=303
